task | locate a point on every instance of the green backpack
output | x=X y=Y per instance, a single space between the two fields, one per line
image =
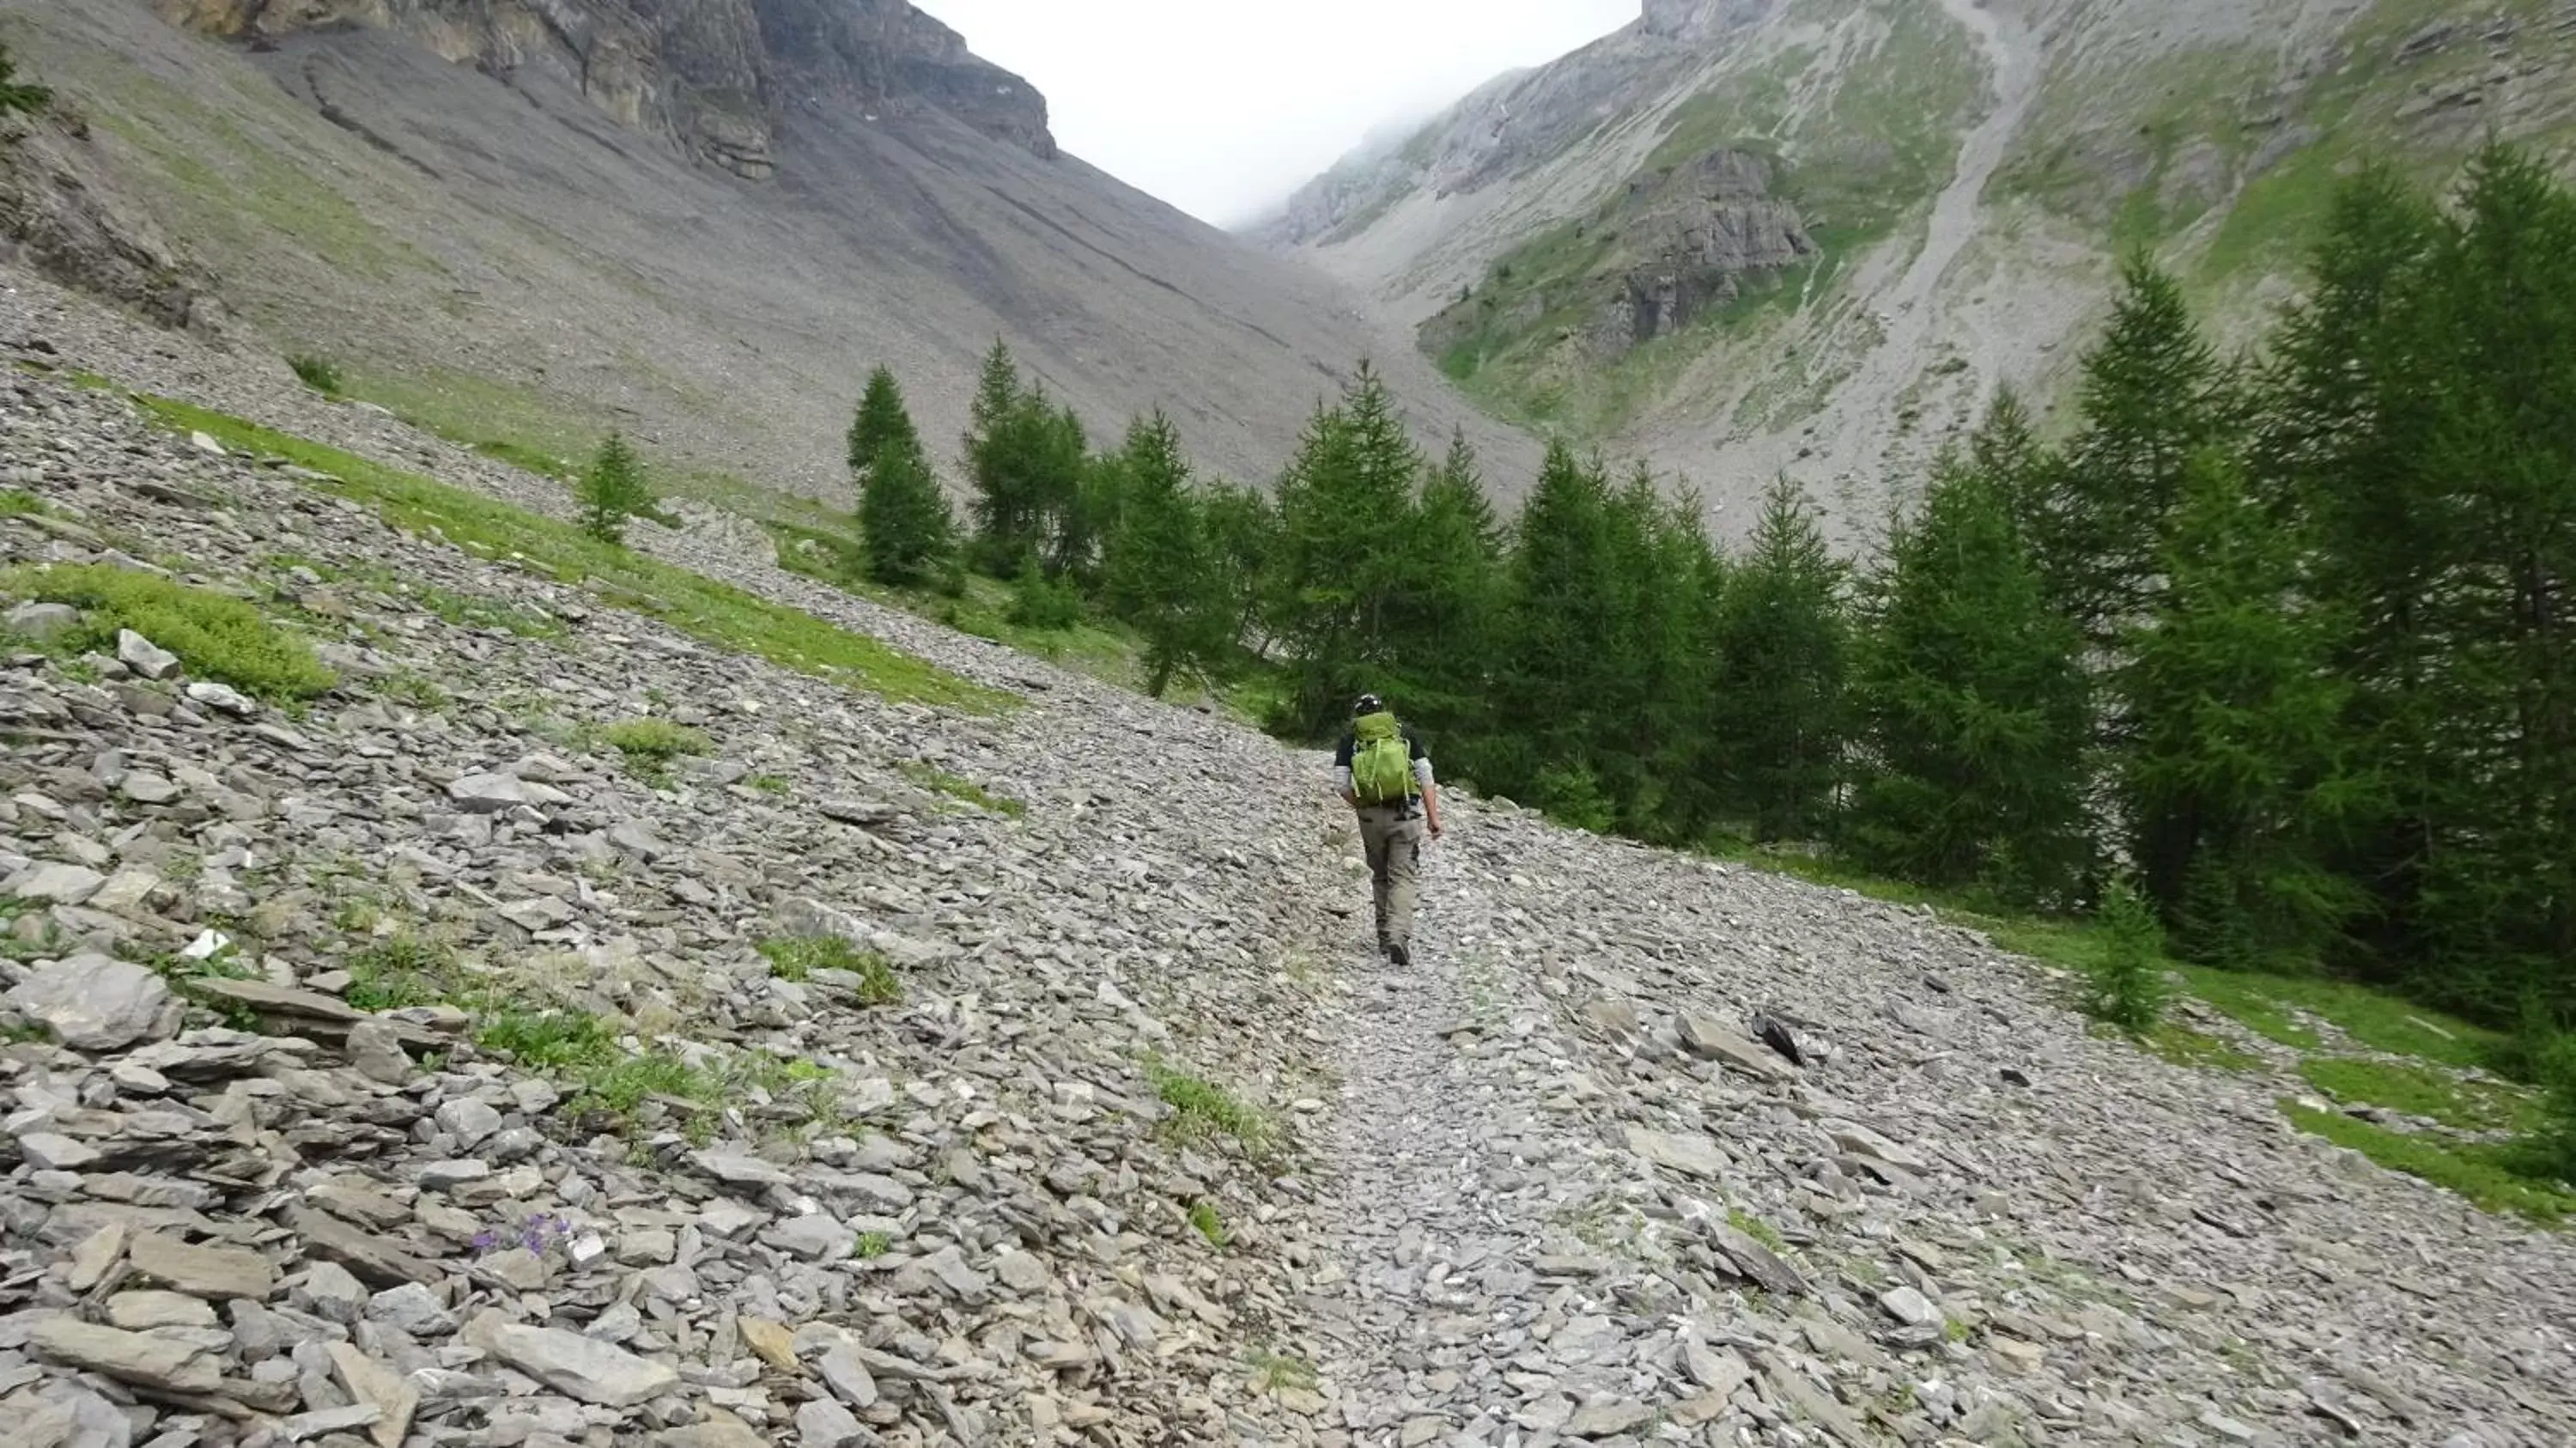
x=1381 y=763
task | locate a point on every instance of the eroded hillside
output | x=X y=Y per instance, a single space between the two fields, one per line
x=702 y=222
x=1968 y=174
x=655 y=999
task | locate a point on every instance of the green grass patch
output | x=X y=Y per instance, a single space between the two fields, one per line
x=650 y=746
x=1203 y=1217
x=777 y=786
x=871 y=1245
x=401 y=972
x=2424 y=1091
x=1274 y=1371
x=2479 y=1173
x=2249 y=1001
x=2266 y=1003
x=19 y=503
x=414 y=690
x=215 y=635
x=797 y=958
x=319 y=373
x=1204 y=1111
x=2275 y=1007
x=957 y=787
x=621 y=1086
x=603 y=1077
x=714 y=613
x=547 y=1040
x=2199 y=1050
x=1756 y=1228
x=77 y=377
x=981 y=606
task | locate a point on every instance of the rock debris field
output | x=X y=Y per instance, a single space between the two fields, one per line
x=421 y=1066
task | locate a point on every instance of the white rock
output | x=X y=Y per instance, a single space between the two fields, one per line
x=144 y=656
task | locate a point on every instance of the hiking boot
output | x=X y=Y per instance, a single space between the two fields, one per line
x=1398 y=952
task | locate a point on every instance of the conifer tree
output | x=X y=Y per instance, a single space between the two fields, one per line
x=613 y=491
x=1440 y=621
x=2338 y=445
x=1560 y=632
x=882 y=422
x=1243 y=534
x=1972 y=706
x=905 y=526
x=1161 y=574
x=2494 y=402
x=1026 y=458
x=2231 y=770
x=1782 y=644
x=1063 y=468
x=2006 y=452
x=1656 y=676
x=2152 y=394
x=2417 y=426
x=1698 y=794
x=1082 y=551
x=1345 y=509
x=908 y=534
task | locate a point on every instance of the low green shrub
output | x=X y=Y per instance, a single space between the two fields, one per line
x=215 y=636
x=654 y=741
x=319 y=373
x=1040 y=602
x=2126 y=986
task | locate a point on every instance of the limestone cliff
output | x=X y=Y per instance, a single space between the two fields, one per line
x=717 y=78
x=1679 y=243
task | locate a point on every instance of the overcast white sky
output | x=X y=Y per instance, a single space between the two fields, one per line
x=1221 y=107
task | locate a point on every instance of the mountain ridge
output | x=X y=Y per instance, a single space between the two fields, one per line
x=1974 y=171
x=503 y=222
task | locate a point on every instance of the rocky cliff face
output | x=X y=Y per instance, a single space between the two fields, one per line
x=717 y=78
x=1707 y=227
x=1679 y=243
x=60 y=216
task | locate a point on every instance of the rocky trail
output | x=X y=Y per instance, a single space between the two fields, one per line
x=416 y=1067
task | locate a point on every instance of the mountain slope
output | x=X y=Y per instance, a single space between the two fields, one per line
x=527 y=223
x=928 y=1076
x=1960 y=179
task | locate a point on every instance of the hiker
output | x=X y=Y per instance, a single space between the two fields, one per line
x=1386 y=777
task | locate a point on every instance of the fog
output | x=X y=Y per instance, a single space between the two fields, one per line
x=1222 y=107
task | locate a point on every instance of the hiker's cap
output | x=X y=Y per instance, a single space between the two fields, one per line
x=1367 y=704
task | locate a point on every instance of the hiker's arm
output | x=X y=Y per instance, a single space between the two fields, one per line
x=1342 y=785
x=1430 y=795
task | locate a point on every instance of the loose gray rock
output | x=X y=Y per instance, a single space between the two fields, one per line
x=143 y=656
x=93 y=1003
x=167 y=1364
x=43 y=622
x=54 y=884
x=582 y=1367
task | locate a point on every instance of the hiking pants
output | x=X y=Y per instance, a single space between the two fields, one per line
x=1392 y=835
